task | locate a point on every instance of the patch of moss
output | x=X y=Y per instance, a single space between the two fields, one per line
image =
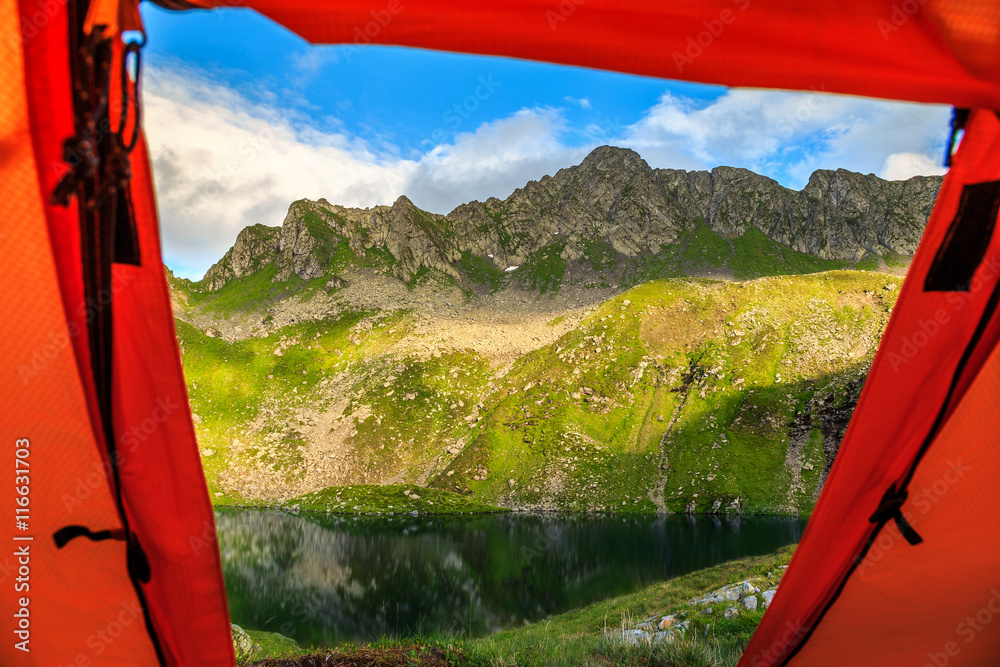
x=249 y=292
x=704 y=246
x=482 y=272
x=867 y=263
x=897 y=260
x=757 y=255
x=274 y=645
x=600 y=255
x=544 y=269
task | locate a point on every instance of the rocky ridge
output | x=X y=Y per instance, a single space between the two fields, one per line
x=612 y=205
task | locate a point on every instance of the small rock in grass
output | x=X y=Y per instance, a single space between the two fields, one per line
x=731 y=612
x=750 y=602
x=767 y=595
x=662 y=636
x=243 y=643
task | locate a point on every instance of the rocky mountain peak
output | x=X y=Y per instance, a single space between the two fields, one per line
x=404 y=202
x=613 y=157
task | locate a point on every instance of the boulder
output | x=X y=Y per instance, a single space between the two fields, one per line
x=245 y=647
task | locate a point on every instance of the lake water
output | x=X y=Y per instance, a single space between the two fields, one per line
x=325 y=579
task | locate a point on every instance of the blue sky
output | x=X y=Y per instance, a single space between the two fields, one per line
x=403 y=96
x=244 y=117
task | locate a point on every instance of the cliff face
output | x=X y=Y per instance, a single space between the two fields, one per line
x=838 y=215
x=612 y=198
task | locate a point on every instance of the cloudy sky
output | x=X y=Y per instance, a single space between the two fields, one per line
x=244 y=117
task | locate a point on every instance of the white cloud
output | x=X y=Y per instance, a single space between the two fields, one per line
x=222 y=162
x=582 y=101
x=901 y=166
x=786 y=135
x=499 y=157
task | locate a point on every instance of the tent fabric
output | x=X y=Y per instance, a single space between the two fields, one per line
x=84 y=606
x=916 y=458
x=44 y=402
x=163 y=476
x=919 y=50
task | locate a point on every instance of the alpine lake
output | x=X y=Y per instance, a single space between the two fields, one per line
x=325 y=579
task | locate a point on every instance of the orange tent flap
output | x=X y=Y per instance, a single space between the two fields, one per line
x=93 y=603
x=918 y=50
x=950 y=583
x=931 y=353
x=74 y=604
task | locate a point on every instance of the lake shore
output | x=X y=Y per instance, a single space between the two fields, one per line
x=593 y=635
x=400 y=499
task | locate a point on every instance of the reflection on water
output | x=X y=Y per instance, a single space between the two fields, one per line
x=323 y=579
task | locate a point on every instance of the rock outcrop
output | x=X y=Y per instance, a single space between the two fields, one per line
x=255 y=247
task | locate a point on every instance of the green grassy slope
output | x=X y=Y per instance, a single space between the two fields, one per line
x=677 y=395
